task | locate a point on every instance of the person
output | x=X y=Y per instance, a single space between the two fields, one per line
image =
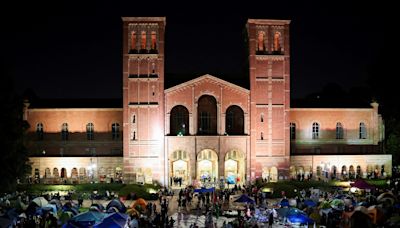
x=270 y=219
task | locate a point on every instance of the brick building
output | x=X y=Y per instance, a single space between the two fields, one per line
x=205 y=128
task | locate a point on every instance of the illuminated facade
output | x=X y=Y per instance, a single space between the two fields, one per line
x=207 y=128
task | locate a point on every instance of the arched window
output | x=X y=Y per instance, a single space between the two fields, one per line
x=115 y=130
x=262 y=118
x=63 y=173
x=358 y=171
x=56 y=173
x=262 y=136
x=64 y=131
x=153 y=68
x=179 y=121
x=133 y=40
x=363 y=131
x=90 y=131
x=292 y=131
x=74 y=173
x=234 y=122
x=153 y=42
x=315 y=130
x=277 y=44
x=339 y=131
x=133 y=118
x=47 y=173
x=143 y=42
x=261 y=44
x=207 y=115
x=39 y=131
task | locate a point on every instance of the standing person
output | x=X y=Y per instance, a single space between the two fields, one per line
x=270 y=219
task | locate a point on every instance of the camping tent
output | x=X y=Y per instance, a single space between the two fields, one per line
x=244 y=199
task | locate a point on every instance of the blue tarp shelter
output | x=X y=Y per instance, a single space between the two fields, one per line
x=244 y=199
x=204 y=190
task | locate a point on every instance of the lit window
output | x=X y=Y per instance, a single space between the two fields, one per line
x=64 y=131
x=315 y=130
x=292 y=131
x=90 y=131
x=143 y=41
x=363 y=131
x=39 y=131
x=277 y=44
x=115 y=130
x=133 y=40
x=339 y=131
x=260 y=45
x=153 y=41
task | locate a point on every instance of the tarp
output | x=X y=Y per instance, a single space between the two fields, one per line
x=203 y=190
x=310 y=203
x=40 y=201
x=116 y=220
x=300 y=219
x=284 y=203
x=86 y=219
x=362 y=184
x=244 y=199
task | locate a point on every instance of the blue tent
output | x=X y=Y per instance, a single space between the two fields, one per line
x=300 y=218
x=85 y=219
x=204 y=190
x=284 y=203
x=244 y=199
x=231 y=180
x=310 y=203
x=117 y=204
x=117 y=220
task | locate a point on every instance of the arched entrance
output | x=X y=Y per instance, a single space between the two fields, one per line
x=234 y=167
x=207 y=165
x=179 y=168
x=273 y=174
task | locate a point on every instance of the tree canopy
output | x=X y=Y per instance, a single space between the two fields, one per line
x=14 y=157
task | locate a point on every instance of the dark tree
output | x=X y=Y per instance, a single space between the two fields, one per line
x=13 y=153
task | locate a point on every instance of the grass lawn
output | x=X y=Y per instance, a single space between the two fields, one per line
x=141 y=191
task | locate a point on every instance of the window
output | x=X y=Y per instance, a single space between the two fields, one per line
x=179 y=121
x=133 y=118
x=277 y=44
x=339 y=131
x=262 y=118
x=315 y=130
x=39 y=131
x=261 y=40
x=153 y=68
x=363 y=131
x=143 y=41
x=292 y=131
x=262 y=136
x=234 y=123
x=153 y=41
x=115 y=130
x=133 y=40
x=64 y=131
x=90 y=131
x=207 y=115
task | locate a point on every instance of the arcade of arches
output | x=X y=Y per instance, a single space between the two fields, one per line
x=207 y=166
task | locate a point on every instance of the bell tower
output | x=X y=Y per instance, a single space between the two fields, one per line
x=143 y=99
x=269 y=61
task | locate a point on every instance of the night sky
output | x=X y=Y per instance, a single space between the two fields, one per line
x=75 y=51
